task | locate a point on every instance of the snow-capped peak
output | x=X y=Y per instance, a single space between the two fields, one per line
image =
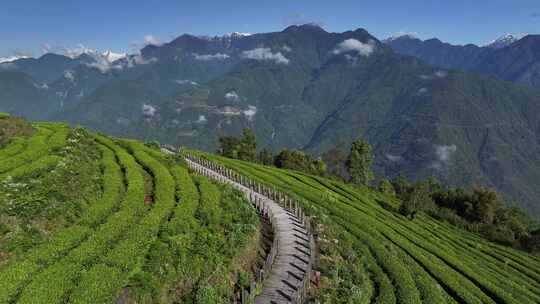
x=111 y=56
x=504 y=41
x=400 y=36
x=77 y=51
x=238 y=34
x=108 y=55
x=11 y=58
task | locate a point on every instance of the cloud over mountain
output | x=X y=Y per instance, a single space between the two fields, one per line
x=350 y=45
x=208 y=57
x=265 y=54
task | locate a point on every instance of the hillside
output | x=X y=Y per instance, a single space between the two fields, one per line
x=306 y=88
x=368 y=253
x=133 y=212
x=142 y=228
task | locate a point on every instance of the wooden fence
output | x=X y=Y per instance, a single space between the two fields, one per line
x=256 y=196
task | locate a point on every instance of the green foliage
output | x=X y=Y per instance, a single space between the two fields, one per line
x=359 y=163
x=129 y=254
x=208 y=295
x=228 y=146
x=64 y=269
x=37 y=199
x=35 y=167
x=15 y=146
x=483 y=210
x=247 y=149
x=335 y=159
x=13 y=127
x=244 y=148
x=20 y=272
x=114 y=240
x=153 y=145
x=266 y=157
x=298 y=160
x=101 y=285
x=37 y=146
x=386 y=187
x=416 y=199
x=533 y=242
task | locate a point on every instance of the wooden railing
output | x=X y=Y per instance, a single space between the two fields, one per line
x=257 y=194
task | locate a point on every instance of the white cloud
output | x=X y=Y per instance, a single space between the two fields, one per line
x=12 y=58
x=77 y=51
x=250 y=112
x=232 y=96
x=69 y=75
x=237 y=34
x=46 y=48
x=202 y=119
x=401 y=34
x=147 y=40
x=444 y=152
x=266 y=55
x=102 y=61
x=102 y=64
x=229 y=111
x=149 y=110
x=350 y=45
x=286 y=48
x=111 y=56
x=186 y=81
x=422 y=91
x=208 y=57
x=132 y=61
x=436 y=74
x=441 y=74
x=393 y=158
x=150 y=39
x=43 y=86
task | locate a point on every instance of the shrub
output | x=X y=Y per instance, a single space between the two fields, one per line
x=386 y=187
x=298 y=160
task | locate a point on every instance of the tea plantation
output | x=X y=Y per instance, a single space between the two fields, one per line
x=369 y=253
x=90 y=219
x=86 y=218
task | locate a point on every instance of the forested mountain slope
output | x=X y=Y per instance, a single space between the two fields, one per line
x=309 y=89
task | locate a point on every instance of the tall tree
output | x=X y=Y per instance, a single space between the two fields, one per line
x=417 y=199
x=266 y=157
x=335 y=159
x=228 y=146
x=248 y=146
x=359 y=163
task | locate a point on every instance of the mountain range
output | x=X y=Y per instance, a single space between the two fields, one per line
x=465 y=114
x=512 y=58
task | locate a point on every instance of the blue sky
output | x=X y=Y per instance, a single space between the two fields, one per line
x=27 y=25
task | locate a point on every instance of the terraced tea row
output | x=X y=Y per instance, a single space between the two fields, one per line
x=387 y=258
x=119 y=236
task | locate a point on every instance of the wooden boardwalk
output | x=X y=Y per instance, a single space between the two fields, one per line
x=291 y=264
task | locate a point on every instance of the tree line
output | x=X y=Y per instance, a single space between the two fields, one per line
x=480 y=209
